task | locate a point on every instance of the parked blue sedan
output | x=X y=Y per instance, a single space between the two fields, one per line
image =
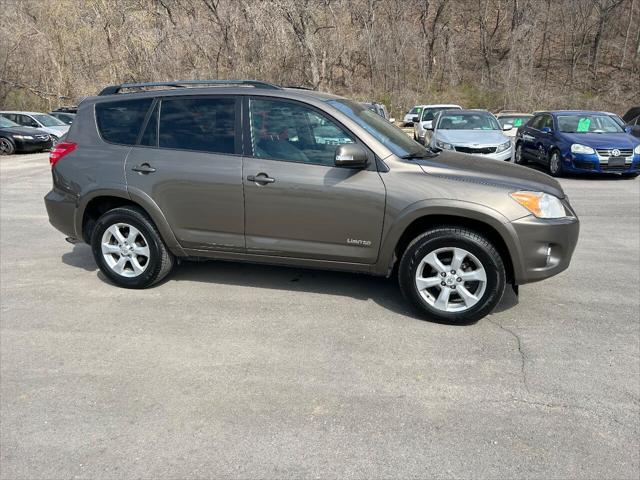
x=578 y=142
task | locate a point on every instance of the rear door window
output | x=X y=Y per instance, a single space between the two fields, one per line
x=121 y=121
x=205 y=124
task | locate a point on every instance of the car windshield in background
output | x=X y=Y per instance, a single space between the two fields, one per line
x=6 y=123
x=515 y=120
x=388 y=134
x=49 y=121
x=416 y=110
x=588 y=124
x=429 y=113
x=467 y=121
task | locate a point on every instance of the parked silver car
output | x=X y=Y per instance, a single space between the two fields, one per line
x=475 y=132
x=423 y=128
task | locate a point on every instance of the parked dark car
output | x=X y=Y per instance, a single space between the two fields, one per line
x=579 y=142
x=301 y=178
x=632 y=121
x=67 y=118
x=16 y=138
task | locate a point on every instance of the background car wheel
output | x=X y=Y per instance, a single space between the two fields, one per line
x=452 y=274
x=129 y=250
x=6 y=146
x=519 y=159
x=555 y=164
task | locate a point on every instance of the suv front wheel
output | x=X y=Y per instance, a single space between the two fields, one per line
x=452 y=274
x=129 y=250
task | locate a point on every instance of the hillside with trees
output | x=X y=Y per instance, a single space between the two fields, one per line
x=515 y=54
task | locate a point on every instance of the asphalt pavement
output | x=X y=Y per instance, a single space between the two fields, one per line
x=246 y=371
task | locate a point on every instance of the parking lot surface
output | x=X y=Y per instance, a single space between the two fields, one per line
x=249 y=371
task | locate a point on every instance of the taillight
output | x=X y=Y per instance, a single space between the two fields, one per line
x=60 y=150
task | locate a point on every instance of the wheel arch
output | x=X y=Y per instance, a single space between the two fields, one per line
x=92 y=206
x=479 y=218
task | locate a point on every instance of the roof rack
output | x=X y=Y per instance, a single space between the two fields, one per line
x=115 y=89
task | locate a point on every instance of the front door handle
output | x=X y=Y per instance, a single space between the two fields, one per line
x=261 y=178
x=144 y=168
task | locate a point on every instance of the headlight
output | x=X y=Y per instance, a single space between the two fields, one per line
x=23 y=137
x=542 y=205
x=637 y=150
x=503 y=146
x=577 y=148
x=444 y=145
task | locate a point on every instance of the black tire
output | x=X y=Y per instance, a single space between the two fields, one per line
x=555 y=164
x=160 y=260
x=453 y=237
x=519 y=157
x=7 y=147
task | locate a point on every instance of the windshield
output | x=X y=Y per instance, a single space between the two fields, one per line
x=588 y=123
x=415 y=110
x=468 y=121
x=48 y=120
x=6 y=123
x=430 y=113
x=386 y=133
x=514 y=120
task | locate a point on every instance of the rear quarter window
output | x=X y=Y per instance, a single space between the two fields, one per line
x=121 y=121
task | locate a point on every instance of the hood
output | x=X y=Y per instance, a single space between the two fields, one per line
x=22 y=130
x=602 y=140
x=473 y=169
x=58 y=131
x=483 y=138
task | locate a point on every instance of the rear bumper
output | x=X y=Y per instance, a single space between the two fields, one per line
x=32 y=145
x=61 y=209
x=545 y=247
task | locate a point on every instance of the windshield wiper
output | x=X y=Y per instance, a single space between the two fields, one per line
x=427 y=154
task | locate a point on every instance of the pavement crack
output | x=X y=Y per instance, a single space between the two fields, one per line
x=523 y=356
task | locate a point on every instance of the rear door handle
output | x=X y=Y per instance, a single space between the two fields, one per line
x=144 y=168
x=261 y=178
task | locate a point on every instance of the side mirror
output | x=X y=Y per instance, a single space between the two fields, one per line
x=507 y=126
x=628 y=129
x=351 y=155
x=415 y=119
x=427 y=124
x=546 y=130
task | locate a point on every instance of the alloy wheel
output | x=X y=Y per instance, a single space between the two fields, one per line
x=554 y=163
x=125 y=250
x=451 y=279
x=5 y=147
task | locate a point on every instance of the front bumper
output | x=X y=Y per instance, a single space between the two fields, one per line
x=32 y=145
x=545 y=246
x=502 y=156
x=594 y=163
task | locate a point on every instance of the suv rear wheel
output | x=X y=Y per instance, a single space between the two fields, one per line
x=452 y=274
x=129 y=250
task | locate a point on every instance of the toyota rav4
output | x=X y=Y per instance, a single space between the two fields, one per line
x=249 y=171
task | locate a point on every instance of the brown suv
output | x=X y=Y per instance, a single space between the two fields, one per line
x=249 y=171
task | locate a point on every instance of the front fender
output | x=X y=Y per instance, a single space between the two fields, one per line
x=447 y=207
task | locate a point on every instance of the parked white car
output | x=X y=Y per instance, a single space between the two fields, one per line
x=54 y=127
x=422 y=129
x=416 y=111
x=515 y=119
x=474 y=132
